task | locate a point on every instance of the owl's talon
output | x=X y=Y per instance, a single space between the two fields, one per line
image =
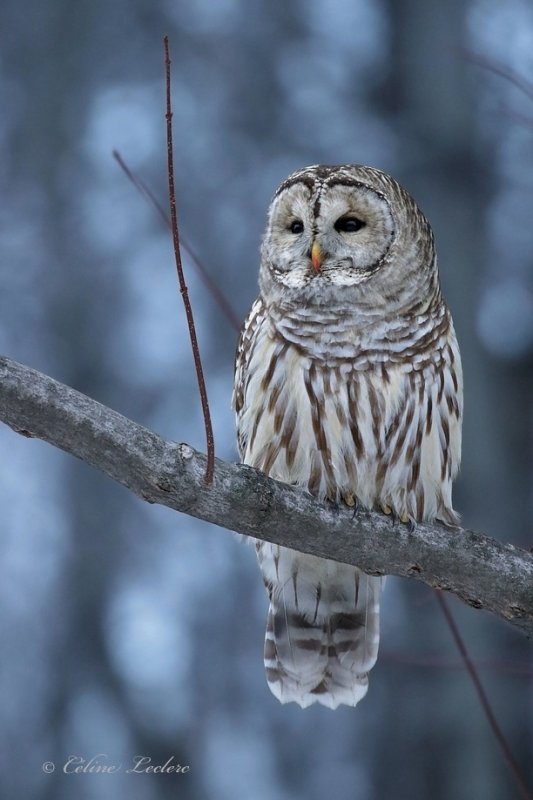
x=350 y=499
x=390 y=512
x=411 y=525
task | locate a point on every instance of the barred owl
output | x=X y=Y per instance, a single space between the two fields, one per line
x=348 y=383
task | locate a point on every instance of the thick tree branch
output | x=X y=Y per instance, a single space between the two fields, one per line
x=481 y=571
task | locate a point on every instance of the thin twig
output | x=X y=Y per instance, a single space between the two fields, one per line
x=439 y=662
x=487 y=708
x=220 y=299
x=502 y=70
x=181 y=277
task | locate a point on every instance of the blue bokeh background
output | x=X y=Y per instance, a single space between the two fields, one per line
x=129 y=629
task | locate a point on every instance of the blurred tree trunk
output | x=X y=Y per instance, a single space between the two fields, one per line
x=429 y=93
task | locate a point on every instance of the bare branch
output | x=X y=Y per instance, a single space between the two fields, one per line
x=510 y=761
x=500 y=69
x=481 y=571
x=181 y=277
x=214 y=290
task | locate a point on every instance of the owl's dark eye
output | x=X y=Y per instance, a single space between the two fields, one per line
x=297 y=226
x=349 y=225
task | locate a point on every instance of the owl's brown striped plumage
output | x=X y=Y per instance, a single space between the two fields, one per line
x=348 y=382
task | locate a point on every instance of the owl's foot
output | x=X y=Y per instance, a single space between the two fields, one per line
x=408 y=520
x=332 y=503
x=404 y=517
x=350 y=499
x=389 y=512
x=352 y=502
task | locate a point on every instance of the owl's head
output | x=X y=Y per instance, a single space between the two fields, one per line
x=345 y=232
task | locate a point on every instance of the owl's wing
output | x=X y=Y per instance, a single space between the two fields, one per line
x=245 y=347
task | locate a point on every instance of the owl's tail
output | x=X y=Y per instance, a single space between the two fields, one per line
x=322 y=631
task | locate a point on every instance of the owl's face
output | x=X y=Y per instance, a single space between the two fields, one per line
x=339 y=232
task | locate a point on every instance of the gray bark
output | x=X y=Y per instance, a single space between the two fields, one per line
x=481 y=571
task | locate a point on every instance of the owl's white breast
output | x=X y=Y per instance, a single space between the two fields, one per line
x=383 y=430
x=298 y=418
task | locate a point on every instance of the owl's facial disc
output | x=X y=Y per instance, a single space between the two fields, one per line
x=337 y=233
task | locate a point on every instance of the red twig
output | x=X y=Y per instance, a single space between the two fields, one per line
x=215 y=291
x=487 y=708
x=181 y=278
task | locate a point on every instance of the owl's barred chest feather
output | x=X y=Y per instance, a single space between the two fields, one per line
x=347 y=413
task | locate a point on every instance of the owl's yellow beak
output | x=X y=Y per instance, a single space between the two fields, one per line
x=317 y=256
